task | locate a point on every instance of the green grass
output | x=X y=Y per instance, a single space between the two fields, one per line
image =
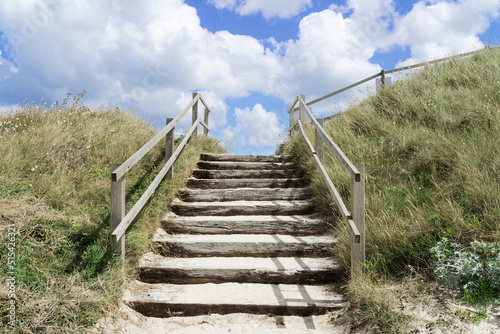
x=431 y=147
x=55 y=168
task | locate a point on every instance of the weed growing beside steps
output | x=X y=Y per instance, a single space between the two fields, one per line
x=431 y=145
x=54 y=167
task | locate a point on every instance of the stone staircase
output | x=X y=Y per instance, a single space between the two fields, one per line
x=244 y=238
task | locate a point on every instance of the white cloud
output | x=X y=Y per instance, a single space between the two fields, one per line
x=139 y=55
x=331 y=52
x=223 y=4
x=283 y=9
x=256 y=127
x=442 y=28
x=146 y=55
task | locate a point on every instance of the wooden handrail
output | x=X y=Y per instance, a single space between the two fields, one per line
x=331 y=188
x=119 y=221
x=383 y=72
x=355 y=222
x=336 y=150
x=130 y=162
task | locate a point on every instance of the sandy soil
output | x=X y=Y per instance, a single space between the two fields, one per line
x=434 y=318
x=130 y=322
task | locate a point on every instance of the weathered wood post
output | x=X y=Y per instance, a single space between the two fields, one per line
x=117 y=210
x=205 y=119
x=195 y=115
x=318 y=141
x=358 y=215
x=382 y=79
x=302 y=110
x=169 y=149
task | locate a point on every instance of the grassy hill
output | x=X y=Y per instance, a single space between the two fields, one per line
x=54 y=188
x=431 y=145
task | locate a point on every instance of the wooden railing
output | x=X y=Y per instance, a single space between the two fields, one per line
x=382 y=74
x=119 y=220
x=355 y=221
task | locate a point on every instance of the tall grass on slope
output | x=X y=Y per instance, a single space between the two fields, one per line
x=431 y=145
x=66 y=274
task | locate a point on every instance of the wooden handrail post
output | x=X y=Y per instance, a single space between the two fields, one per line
x=382 y=79
x=318 y=141
x=205 y=120
x=195 y=114
x=117 y=210
x=302 y=110
x=358 y=215
x=169 y=149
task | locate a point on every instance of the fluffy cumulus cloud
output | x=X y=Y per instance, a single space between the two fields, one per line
x=435 y=29
x=140 y=55
x=332 y=51
x=147 y=55
x=255 y=127
x=283 y=9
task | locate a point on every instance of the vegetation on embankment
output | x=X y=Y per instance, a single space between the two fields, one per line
x=54 y=188
x=431 y=147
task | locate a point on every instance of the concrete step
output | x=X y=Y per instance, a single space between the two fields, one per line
x=253 y=245
x=167 y=300
x=239 y=208
x=244 y=165
x=293 y=225
x=285 y=270
x=244 y=194
x=244 y=174
x=245 y=158
x=245 y=183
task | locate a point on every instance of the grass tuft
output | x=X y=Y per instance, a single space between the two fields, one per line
x=54 y=188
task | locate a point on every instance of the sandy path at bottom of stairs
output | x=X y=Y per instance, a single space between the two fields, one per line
x=131 y=322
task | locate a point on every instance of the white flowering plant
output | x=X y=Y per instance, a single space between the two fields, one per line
x=474 y=270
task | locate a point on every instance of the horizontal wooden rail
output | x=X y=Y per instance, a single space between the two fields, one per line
x=331 y=188
x=129 y=218
x=342 y=90
x=120 y=221
x=137 y=156
x=383 y=72
x=436 y=61
x=335 y=149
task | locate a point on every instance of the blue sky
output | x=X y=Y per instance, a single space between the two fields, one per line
x=248 y=58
